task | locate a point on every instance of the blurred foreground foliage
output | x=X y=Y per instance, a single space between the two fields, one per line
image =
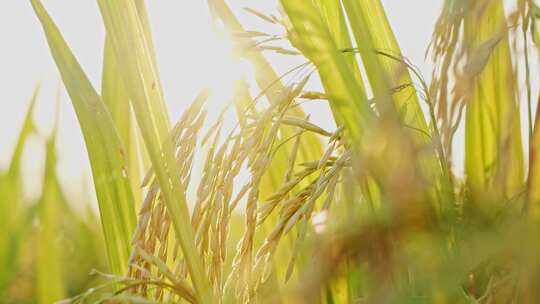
x=49 y=245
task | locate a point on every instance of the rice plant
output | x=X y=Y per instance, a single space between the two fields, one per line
x=42 y=239
x=286 y=211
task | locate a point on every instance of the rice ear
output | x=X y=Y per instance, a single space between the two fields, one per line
x=126 y=24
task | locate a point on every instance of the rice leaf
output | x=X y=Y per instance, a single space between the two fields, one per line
x=50 y=284
x=105 y=151
x=27 y=129
x=333 y=14
x=534 y=171
x=11 y=212
x=373 y=33
x=493 y=147
x=117 y=102
x=312 y=37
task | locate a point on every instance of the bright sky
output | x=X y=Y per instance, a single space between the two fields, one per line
x=190 y=55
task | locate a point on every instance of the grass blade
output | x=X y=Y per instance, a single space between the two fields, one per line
x=493 y=147
x=105 y=151
x=115 y=98
x=312 y=37
x=11 y=213
x=372 y=32
x=49 y=271
x=334 y=16
x=534 y=170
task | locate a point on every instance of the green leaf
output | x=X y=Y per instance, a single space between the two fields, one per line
x=117 y=102
x=105 y=151
x=311 y=35
x=334 y=16
x=11 y=212
x=534 y=170
x=373 y=33
x=27 y=129
x=50 y=286
x=493 y=147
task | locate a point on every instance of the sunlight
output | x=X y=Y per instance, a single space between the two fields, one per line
x=223 y=68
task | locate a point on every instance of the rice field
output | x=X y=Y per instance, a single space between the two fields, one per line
x=257 y=202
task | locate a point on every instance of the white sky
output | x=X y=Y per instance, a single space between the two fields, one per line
x=190 y=57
